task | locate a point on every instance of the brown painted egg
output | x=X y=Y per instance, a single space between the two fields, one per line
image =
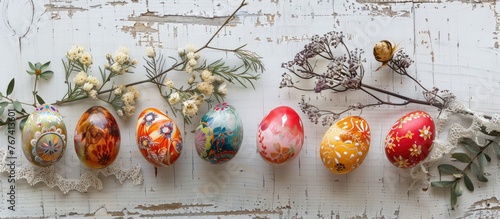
x=44 y=136
x=97 y=138
x=410 y=139
x=280 y=135
x=158 y=137
x=345 y=145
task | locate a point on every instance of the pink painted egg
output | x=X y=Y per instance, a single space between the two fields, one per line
x=410 y=139
x=97 y=138
x=158 y=137
x=345 y=145
x=280 y=136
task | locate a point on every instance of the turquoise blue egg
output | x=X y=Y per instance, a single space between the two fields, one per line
x=219 y=136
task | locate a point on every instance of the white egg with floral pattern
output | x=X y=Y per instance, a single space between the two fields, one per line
x=43 y=136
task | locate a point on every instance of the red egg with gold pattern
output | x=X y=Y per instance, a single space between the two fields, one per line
x=410 y=139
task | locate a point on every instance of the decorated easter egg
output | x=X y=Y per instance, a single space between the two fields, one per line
x=158 y=137
x=345 y=145
x=219 y=135
x=44 y=136
x=410 y=139
x=280 y=135
x=97 y=138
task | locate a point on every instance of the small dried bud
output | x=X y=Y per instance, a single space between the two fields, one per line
x=191 y=80
x=383 y=51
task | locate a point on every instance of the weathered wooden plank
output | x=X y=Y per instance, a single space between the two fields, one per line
x=454 y=45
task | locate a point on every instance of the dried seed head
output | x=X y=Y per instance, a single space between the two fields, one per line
x=383 y=51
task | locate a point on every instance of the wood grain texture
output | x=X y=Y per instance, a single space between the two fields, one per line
x=454 y=45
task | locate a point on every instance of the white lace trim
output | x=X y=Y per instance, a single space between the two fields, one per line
x=455 y=122
x=34 y=175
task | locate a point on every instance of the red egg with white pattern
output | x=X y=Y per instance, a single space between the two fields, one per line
x=280 y=135
x=410 y=139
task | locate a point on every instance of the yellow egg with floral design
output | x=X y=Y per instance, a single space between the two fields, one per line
x=345 y=145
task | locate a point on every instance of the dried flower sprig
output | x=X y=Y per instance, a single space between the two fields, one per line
x=205 y=82
x=84 y=85
x=209 y=84
x=334 y=67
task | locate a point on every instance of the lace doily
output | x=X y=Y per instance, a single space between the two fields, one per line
x=451 y=124
x=47 y=175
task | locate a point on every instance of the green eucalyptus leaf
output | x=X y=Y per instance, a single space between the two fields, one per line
x=481 y=160
x=442 y=184
x=47 y=74
x=478 y=172
x=39 y=99
x=30 y=72
x=22 y=123
x=462 y=157
x=31 y=66
x=38 y=65
x=1 y=110
x=471 y=145
x=45 y=65
x=468 y=183
x=496 y=148
x=488 y=158
x=457 y=189
x=448 y=169
x=4 y=104
x=453 y=198
x=17 y=106
x=10 y=88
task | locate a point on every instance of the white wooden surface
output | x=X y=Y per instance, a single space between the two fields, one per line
x=454 y=45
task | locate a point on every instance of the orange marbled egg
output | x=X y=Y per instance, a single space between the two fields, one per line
x=97 y=138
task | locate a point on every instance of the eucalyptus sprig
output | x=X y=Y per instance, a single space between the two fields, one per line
x=475 y=159
x=38 y=70
x=7 y=101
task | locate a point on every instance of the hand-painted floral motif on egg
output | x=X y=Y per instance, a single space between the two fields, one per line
x=280 y=135
x=219 y=135
x=158 y=138
x=97 y=138
x=345 y=145
x=410 y=139
x=44 y=136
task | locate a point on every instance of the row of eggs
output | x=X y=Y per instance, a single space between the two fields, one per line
x=219 y=136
